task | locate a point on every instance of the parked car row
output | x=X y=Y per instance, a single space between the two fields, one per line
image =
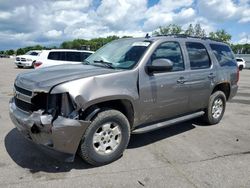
x=4 y=56
x=44 y=58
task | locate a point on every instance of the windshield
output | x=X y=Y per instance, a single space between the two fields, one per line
x=122 y=54
x=32 y=53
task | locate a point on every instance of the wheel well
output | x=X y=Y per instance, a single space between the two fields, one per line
x=122 y=105
x=224 y=87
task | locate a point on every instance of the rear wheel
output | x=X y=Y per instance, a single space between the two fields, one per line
x=216 y=108
x=106 y=138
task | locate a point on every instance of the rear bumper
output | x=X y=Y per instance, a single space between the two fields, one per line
x=60 y=137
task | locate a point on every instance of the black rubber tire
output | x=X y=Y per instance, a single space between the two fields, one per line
x=241 y=67
x=86 y=149
x=33 y=65
x=19 y=66
x=208 y=118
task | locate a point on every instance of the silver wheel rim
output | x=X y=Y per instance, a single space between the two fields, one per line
x=107 y=138
x=217 y=108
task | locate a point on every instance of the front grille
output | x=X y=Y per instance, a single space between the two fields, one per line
x=23 y=91
x=24 y=105
x=23 y=59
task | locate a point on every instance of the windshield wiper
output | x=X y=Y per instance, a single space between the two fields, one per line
x=86 y=62
x=106 y=64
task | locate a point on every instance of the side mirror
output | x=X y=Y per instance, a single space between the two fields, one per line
x=159 y=65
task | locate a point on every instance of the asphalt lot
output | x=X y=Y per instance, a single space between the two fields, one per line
x=183 y=155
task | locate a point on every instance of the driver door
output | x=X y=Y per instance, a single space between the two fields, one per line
x=164 y=95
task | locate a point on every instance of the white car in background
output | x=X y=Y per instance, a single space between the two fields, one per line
x=61 y=56
x=28 y=59
x=241 y=63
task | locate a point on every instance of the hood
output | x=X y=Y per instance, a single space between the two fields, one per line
x=42 y=80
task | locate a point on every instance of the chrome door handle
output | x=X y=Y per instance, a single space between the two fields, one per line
x=181 y=80
x=211 y=76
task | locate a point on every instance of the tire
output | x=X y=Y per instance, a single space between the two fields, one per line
x=19 y=66
x=216 y=108
x=33 y=65
x=95 y=147
x=241 y=67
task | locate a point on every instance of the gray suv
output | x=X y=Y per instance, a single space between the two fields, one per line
x=128 y=86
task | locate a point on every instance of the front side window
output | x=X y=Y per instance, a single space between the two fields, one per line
x=223 y=55
x=198 y=56
x=122 y=54
x=172 y=52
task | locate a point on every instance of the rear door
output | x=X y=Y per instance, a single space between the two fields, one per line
x=202 y=74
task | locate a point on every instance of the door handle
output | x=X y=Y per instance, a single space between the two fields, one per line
x=211 y=76
x=181 y=80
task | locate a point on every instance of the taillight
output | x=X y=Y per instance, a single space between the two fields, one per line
x=37 y=64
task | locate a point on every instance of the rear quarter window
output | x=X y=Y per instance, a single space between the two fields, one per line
x=223 y=54
x=85 y=55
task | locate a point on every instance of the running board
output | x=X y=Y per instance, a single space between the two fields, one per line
x=166 y=123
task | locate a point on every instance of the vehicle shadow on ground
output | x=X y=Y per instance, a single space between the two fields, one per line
x=140 y=140
x=29 y=155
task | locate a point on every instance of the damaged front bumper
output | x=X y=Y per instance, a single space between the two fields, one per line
x=61 y=136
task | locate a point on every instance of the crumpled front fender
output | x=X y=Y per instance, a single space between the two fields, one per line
x=62 y=134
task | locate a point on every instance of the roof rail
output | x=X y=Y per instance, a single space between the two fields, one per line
x=188 y=36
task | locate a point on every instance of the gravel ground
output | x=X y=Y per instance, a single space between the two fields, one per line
x=183 y=155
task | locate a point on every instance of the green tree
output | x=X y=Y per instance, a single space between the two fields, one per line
x=221 y=35
x=10 y=52
x=171 y=29
x=190 y=30
x=20 y=51
x=198 y=31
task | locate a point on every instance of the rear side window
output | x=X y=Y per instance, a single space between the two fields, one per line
x=56 y=56
x=198 y=56
x=73 y=56
x=223 y=55
x=65 y=56
x=171 y=51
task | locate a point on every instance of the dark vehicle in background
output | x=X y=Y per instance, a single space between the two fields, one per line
x=4 y=56
x=128 y=86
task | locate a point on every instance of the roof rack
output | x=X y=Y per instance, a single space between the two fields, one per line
x=188 y=36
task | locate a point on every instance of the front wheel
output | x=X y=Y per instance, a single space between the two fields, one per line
x=216 y=108
x=106 y=138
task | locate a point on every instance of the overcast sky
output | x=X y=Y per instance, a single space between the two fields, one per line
x=49 y=22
